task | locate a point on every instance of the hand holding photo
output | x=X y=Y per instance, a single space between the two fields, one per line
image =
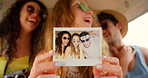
x=78 y=46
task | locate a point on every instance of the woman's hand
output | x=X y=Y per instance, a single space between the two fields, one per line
x=42 y=69
x=110 y=70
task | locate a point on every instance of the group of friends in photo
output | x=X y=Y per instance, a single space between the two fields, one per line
x=78 y=45
x=26 y=38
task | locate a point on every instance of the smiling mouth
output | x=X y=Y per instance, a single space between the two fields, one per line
x=32 y=20
x=87 y=20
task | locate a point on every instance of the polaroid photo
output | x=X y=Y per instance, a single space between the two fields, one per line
x=77 y=46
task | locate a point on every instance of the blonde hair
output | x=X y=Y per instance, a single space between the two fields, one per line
x=77 y=54
x=63 y=16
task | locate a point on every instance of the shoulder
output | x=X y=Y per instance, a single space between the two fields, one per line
x=2 y=58
x=144 y=51
x=68 y=49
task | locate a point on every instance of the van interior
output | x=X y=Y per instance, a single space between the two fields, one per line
x=130 y=8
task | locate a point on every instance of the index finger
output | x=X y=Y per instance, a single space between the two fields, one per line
x=115 y=69
x=111 y=60
x=43 y=57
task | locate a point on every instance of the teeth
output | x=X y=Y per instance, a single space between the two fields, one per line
x=32 y=20
x=87 y=20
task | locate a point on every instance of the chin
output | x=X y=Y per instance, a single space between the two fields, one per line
x=89 y=25
x=86 y=25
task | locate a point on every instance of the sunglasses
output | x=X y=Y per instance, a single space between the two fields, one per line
x=85 y=40
x=75 y=41
x=66 y=38
x=104 y=25
x=41 y=13
x=83 y=7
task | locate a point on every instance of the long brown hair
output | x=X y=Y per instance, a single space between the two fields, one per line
x=73 y=49
x=63 y=16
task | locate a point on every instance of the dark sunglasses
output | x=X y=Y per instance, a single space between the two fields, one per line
x=85 y=40
x=66 y=38
x=104 y=25
x=40 y=13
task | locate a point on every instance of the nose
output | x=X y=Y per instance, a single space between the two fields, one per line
x=67 y=40
x=36 y=13
x=89 y=12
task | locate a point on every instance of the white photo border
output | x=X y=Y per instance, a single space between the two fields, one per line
x=78 y=62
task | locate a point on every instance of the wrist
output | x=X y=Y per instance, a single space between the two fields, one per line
x=124 y=60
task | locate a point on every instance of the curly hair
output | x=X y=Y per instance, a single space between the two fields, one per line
x=10 y=29
x=59 y=41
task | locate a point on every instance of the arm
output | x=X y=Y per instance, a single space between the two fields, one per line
x=145 y=54
x=67 y=52
x=124 y=65
x=81 y=52
x=126 y=55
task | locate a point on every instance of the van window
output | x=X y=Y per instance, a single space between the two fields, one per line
x=138 y=31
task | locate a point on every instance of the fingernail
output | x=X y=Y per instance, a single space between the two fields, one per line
x=99 y=66
x=57 y=64
x=58 y=76
x=50 y=51
x=105 y=57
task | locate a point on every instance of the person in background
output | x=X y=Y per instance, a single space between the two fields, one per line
x=71 y=13
x=62 y=42
x=21 y=34
x=133 y=59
